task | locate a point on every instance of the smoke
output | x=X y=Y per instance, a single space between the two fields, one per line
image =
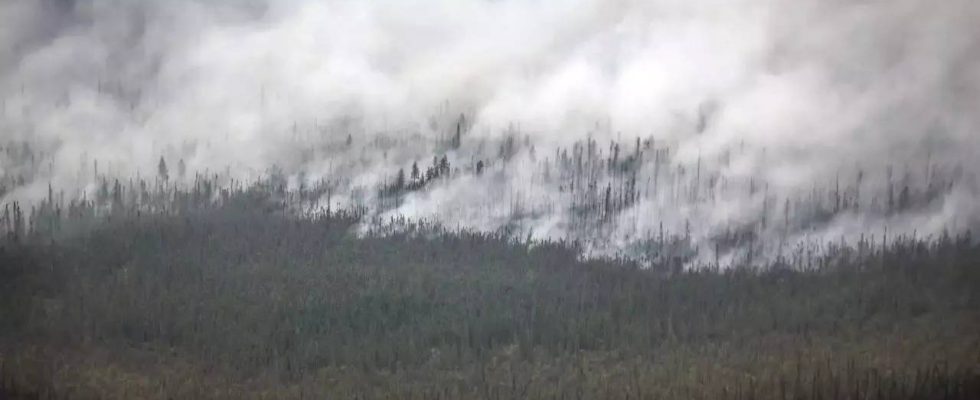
x=765 y=108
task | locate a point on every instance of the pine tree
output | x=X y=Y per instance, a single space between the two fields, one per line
x=162 y=170
x=400 y=179
x=444 y=165
x=457 y=138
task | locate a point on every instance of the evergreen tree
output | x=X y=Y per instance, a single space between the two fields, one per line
x=457 y=138
x=162 y=170
x=444 y=165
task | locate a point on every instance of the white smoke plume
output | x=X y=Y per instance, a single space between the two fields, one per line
x=795 y=120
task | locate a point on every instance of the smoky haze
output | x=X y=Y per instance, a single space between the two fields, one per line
x=739 y=114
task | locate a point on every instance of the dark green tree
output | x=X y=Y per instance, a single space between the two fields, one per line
x=162 y=170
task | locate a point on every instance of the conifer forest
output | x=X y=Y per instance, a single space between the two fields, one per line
x=489 y=199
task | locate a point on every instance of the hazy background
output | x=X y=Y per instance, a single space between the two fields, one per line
x=792 y=95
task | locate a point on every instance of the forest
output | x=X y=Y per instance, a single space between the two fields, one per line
x=489 y=199
x=240 y=290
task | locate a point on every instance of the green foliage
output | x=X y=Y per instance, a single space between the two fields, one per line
x=242 y=300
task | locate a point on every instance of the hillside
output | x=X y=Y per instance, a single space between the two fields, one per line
x=244 y=300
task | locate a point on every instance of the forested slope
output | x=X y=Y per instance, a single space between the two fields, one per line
x=243 y=300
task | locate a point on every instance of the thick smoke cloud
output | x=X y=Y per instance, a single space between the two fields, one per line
x=778 y=97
